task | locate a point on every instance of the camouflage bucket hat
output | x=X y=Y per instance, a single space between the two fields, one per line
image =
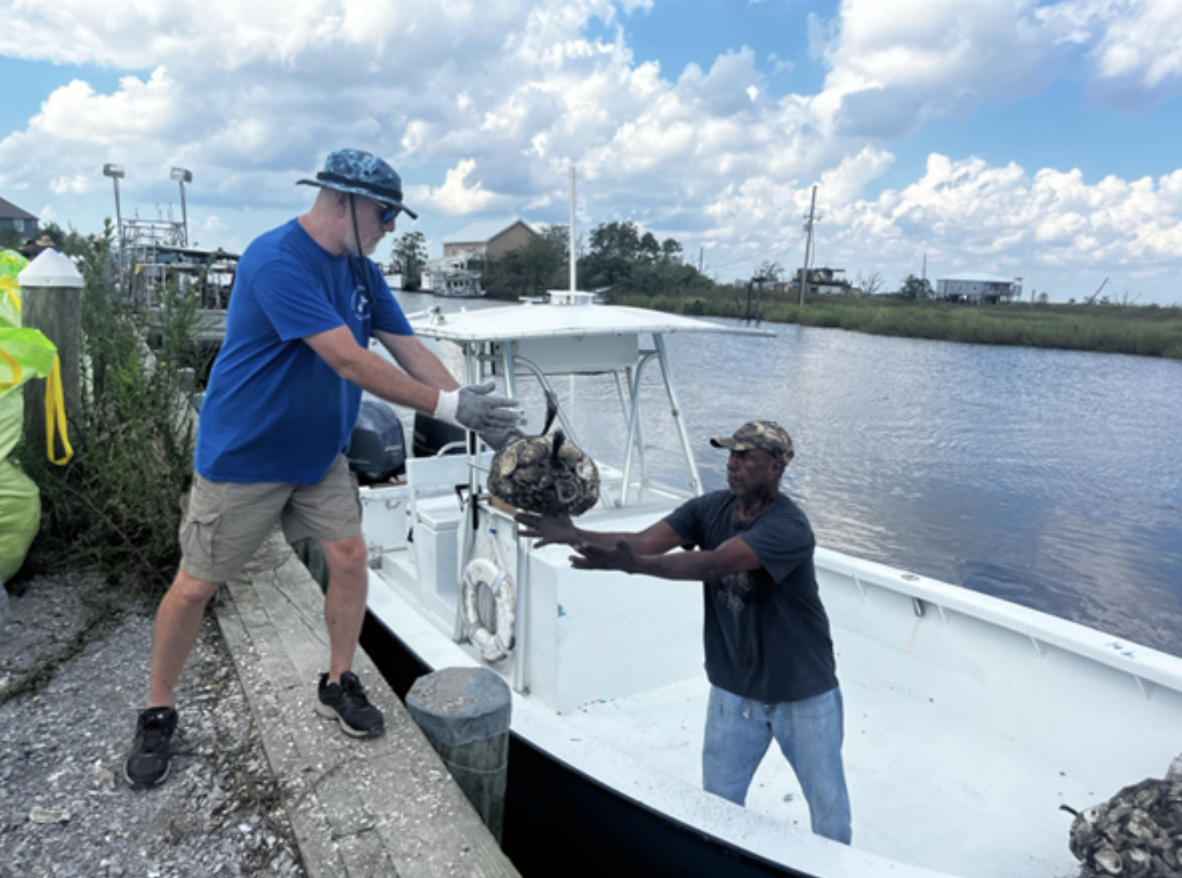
x=766 y=435
x=359 y=172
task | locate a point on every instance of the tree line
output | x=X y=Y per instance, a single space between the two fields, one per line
x=617 y=256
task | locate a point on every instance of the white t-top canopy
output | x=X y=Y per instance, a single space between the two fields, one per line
x=537 y=321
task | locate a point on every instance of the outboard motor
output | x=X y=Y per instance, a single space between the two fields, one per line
x=377 y=448
x=431 y=435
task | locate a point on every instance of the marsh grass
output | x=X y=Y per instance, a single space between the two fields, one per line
x=115 y=505
x=1147 y=330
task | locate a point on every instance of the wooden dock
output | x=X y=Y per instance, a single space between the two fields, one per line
x=359 y=808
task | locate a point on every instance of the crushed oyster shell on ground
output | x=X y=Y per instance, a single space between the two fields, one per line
x=65 y=809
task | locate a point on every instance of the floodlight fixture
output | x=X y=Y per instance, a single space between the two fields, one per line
x=183 y=176
x=115 y=172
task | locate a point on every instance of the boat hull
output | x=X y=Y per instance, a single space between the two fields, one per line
x=591 y=825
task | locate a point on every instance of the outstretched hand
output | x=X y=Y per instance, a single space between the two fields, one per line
x=548 y=529
x=478 y=408
x=593 y=557
x=498 y=439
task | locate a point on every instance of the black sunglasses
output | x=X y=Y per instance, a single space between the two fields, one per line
x=387 y=212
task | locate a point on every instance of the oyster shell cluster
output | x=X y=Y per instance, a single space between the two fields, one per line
x=545 y=474
x=1137 y=833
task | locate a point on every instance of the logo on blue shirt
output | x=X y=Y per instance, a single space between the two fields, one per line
x=360 y=303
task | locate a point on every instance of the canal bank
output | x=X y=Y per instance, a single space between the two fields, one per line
x=260 y=784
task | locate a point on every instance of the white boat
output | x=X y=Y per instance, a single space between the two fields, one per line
x=393 y=276
x=451 y=277
x=969 y=720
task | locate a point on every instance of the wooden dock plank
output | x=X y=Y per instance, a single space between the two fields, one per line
x=383 y=807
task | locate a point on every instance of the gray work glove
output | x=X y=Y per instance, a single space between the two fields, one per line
x=477 y=408
x=498 y=439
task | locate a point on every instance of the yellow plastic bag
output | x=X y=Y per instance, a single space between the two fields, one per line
x=26 y=354
x=20 y=518
x=11 y=263
x=10 y=302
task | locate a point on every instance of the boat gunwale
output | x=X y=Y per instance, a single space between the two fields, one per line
x=1119 y=653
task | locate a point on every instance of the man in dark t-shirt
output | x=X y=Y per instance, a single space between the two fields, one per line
x=769 y=655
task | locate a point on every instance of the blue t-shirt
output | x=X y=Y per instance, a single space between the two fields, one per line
x=766 y=631
x=274 y=411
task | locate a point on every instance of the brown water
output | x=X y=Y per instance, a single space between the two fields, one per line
x=1049 y=478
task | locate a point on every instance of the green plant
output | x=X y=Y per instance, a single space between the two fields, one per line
x=409 y=252
x=115 y=505
x=10 y=239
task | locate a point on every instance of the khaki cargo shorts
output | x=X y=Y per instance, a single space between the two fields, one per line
x=225 y=522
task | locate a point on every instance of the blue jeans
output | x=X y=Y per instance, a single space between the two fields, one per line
x=809 y=732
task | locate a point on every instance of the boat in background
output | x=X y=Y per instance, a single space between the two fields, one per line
x=969 y=720
x=393 y=275
x=453 y=278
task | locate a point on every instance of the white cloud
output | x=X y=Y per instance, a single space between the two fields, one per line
x=138 y=110
x=896 y=65
x=779 y=64
x=211 y=225
x=79 y=184
x=454 y=197
x=482 y=106
x=1136 y=45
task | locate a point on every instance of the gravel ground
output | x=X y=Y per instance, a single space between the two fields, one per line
x=65 y=809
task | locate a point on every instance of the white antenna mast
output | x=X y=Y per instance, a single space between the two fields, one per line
x=573 y=284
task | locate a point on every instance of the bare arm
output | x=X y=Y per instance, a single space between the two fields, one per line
x=417 y=359
x=644 y=552
x=654 y=540
x=367 y=370
x=732 y=557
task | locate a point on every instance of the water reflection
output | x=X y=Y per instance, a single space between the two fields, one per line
x=1050 y=478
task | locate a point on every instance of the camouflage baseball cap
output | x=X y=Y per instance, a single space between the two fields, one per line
x=766 y=435
x=362 y=173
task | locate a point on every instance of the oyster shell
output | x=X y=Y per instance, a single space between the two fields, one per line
x=1137 y=833
x=546 y=474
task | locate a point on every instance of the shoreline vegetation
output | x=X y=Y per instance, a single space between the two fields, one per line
x=1142 y=330
x=636 y=269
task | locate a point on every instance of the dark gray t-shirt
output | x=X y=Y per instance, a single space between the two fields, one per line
x=766 y=631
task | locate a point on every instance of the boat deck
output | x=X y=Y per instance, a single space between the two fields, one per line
x=979 y=806
x=931 y=787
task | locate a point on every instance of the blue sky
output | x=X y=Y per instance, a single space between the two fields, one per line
x=1008 y=137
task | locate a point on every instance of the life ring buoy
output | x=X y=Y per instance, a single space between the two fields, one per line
x=496 y=644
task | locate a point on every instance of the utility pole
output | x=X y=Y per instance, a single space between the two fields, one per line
x=701 y=254
x=804 y=272
x=923 y=275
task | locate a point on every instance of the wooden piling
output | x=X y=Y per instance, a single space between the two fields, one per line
x=465 y=714
x=51 y=293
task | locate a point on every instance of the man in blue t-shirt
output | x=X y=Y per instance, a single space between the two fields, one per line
x=769 y=655
x=278 y=414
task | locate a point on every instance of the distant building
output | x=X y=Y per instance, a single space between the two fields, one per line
x=490 y=239
x=979 y=288
x=822 y=280
x=13 y=217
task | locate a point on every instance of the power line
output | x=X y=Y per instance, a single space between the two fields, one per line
x=781 y=249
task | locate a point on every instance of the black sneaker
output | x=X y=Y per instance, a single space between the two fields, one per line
x=347 y=703
x=148 y=762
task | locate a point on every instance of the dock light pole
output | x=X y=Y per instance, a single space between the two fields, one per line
x=115 y=172
x=183 y=176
